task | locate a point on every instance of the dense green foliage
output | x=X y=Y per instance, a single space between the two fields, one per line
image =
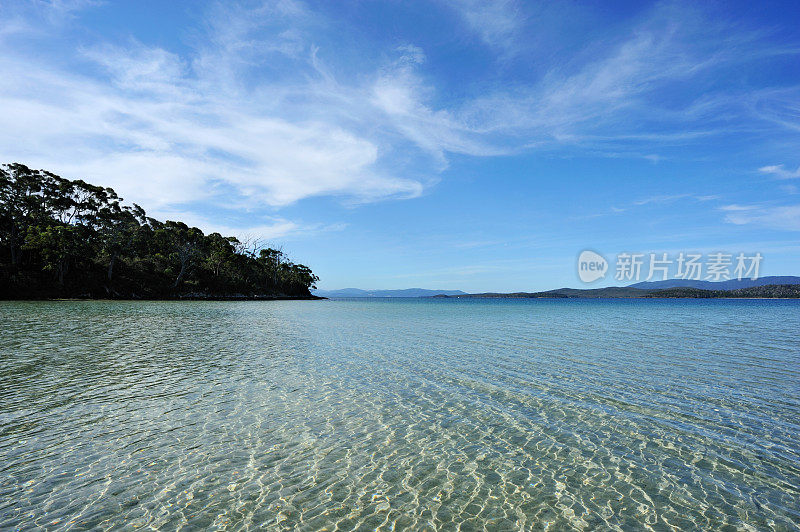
x=62 y=238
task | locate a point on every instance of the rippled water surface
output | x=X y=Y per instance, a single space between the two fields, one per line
x=404 y=414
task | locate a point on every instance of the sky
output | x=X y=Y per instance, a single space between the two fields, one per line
x=450 y=144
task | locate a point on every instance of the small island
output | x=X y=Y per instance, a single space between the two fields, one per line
x=62 y=238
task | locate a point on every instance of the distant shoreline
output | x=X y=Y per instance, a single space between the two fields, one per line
x=772 y=291
x=770 y=287
x=557 y=298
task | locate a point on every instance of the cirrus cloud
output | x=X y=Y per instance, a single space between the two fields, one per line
x=253 y=107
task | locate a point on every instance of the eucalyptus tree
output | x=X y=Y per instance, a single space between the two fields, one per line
x=20 y=205
x=68 y=237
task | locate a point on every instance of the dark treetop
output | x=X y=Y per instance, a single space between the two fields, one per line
x=62 y=238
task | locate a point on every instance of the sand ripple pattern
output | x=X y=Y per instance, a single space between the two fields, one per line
x=395 y=415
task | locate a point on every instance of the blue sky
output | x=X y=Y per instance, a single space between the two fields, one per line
x=442 y=144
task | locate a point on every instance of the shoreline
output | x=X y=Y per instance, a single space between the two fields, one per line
x=318 y=298
x=766 y=291
x=630 y=298
x=187 y=298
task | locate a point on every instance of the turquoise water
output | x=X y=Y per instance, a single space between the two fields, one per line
x=404 y=414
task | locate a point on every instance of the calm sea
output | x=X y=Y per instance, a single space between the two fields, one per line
x=400 y=414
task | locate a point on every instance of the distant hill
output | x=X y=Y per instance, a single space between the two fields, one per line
x=407 y=292
x=770 y=291
x=770 y=287
x=765 y=291
x=613 y=291
x=732 y=284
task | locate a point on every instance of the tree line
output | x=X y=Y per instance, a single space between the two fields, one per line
x=68 y=238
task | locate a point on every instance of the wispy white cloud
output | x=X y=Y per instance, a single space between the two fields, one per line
x=472 y=244
x=255 y=106
x=265 y=228
x=778 y=105
x=164 y=132
x=38 y=18
x=780 y=172
x=735 y=207
x=171 y=144
x=402 y=97
x=785 y=217
x=657 y=200
x=670 y=198
x=612 y=96
x=496 y=22
x=666 y=198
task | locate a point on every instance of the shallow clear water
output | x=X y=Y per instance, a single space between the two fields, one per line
x=415 y=414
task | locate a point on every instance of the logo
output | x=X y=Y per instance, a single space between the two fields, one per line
x=633 y=267
x=591 y=266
